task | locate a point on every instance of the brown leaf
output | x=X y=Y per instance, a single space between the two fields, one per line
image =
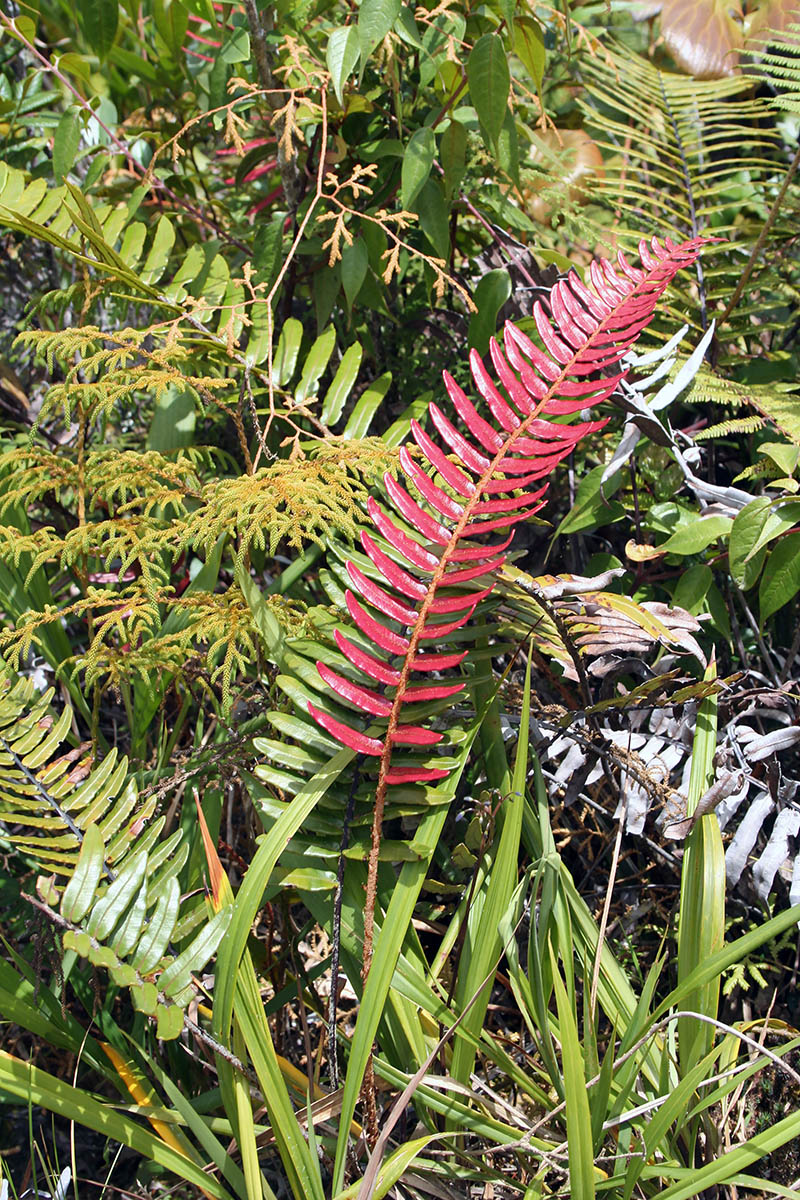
x=703 y=36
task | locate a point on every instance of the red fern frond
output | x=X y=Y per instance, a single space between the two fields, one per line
x=412 y=592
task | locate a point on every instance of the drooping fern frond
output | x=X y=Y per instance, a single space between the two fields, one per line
x=85 y=822
x=691 y=158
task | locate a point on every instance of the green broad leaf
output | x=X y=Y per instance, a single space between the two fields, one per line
x=108 y=911
x=342 y=385
x=746 y=530
x=400 y=430
x=342 y=56
x=692 y=588
x=453 y=156
x=197 y=953
x=784 y=456
x=145 y=997
x=285 y=360
x=171 y=20
x=434 y=217
x=691 y=539
x=162 y=244
x=508 y=148
x=66 y=140
x=236 y=48
x=417 y=163
x=355 y=260
x=490 y=295
x=375 y=20
x=127 y=933
x=368 y=404
x=489 y=84
x=783 y=518
x=314 y=366
x=266 y=622
x=174 y=420
x=592 y=508
x=780 y=582
x=98 y=20
x=529 y=48
x=80 y=891
x=407 y=29
x=169 y=1022
x=162 y=922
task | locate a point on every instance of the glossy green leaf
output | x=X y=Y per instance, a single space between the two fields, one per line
x=453 y=156
x=156 y=936
x=80 y=891
x=692 y=538
x=780 y=582
x=314 y=366
x=434 y=217
x=368 y=404
x=108 y=911
x=375 y=20
x=342 y=56
x=172 y=21
x=745 y=532
x=162 y=244
x=489 y=84
x=66 y=140
x=236 y=47
x=288 y=349
x=98 y=20
x=355 y=260
x=342 y=385
x=489 y=297
x=417 y=162
x=529 y=48
x=196 y=954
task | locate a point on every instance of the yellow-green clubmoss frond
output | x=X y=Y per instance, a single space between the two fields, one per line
x=96 y=397
x=122 y=544
x=295 y=501
x=143 y=480
x=43 y=545
x=31 y=472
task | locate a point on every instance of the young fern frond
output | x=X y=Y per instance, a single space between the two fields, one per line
x=425 y=569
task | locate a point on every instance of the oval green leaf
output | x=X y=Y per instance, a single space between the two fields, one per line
x=342 y=56
x=489 y=83
x=417 y=163
x=780 y=582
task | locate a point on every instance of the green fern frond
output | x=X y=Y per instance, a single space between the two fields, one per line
x=687 y=157
x=85 y=822
x=776 y=402
x=729 y=428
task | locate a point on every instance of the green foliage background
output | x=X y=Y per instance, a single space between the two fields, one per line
x=240 y=243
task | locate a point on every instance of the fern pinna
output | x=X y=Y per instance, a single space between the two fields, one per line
x=435 y=571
